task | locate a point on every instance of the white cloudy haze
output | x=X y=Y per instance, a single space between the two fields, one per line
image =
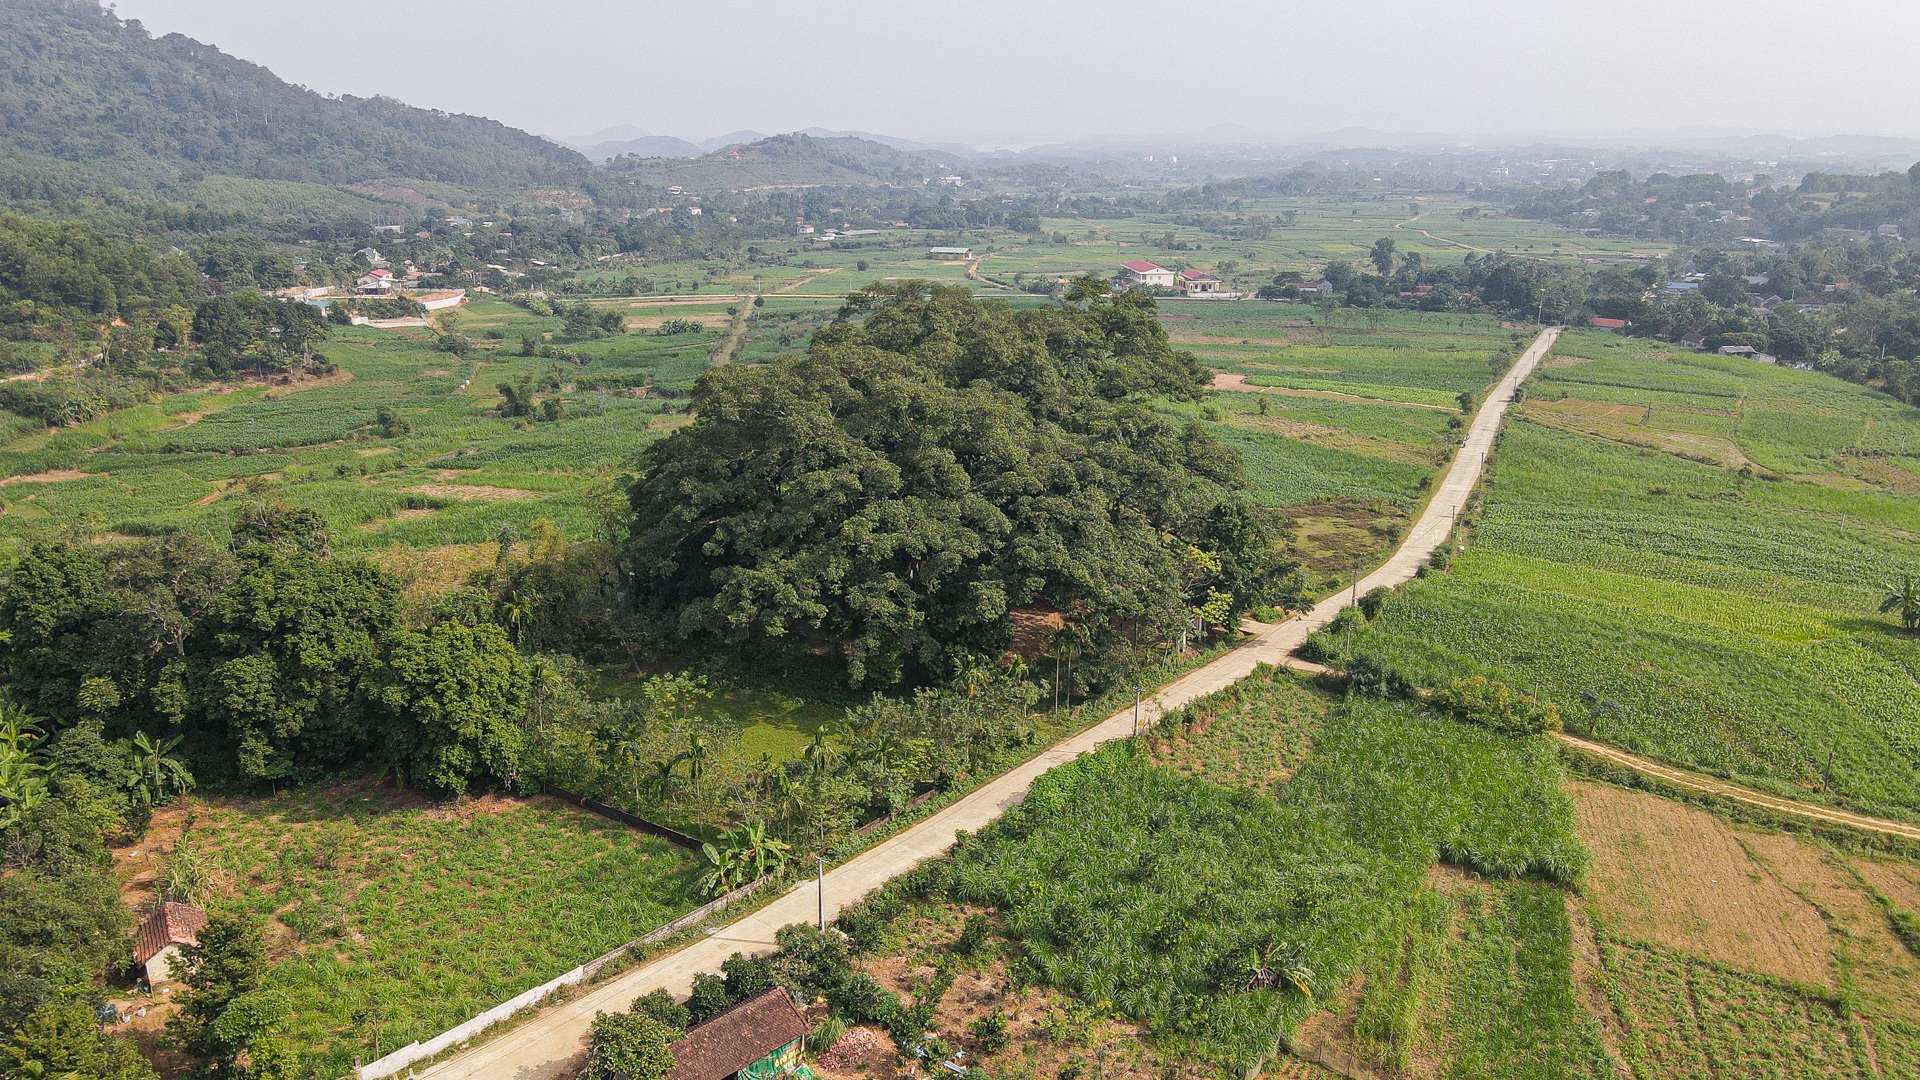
x=1008 y=72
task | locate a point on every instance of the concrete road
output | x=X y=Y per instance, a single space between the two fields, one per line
x=551 y=1044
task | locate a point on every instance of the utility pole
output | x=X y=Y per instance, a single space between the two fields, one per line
x=822 y=861
x=1136 y=712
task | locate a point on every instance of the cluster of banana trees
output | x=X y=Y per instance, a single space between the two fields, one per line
x=154 y=773
x=744 y=854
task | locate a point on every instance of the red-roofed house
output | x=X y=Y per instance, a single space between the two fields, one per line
x=375 y=281
x=757 y=1039
x=1141 y=272
x=1195 y=282
x=157 y=942
x=1607 y=324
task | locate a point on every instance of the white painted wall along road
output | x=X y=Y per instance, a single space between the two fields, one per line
x=550 y=1044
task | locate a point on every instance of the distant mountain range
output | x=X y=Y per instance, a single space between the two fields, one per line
x=625 y=140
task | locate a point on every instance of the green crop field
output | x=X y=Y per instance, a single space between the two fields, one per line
x=1695 y=581
x=1312 y=850
x=454 y=477
x=1271 y=827
x=395 y=919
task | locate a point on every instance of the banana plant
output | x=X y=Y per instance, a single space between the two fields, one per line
x=1904 y=599
x=157 y=774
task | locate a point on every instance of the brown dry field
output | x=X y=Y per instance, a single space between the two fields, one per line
x=1602 y=421
x=475 y=492
x=1329 y=538
x=1774 y=904
x=1336 y=438
x=425 y=572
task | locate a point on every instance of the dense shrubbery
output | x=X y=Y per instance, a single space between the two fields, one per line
x=278 y=661
x=1493 y=704
x=381 y=307
x=895 y=494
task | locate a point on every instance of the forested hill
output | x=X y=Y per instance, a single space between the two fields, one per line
x=87 y=101
x=788 y=160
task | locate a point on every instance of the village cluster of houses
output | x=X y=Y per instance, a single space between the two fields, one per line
x=1141 y=273
x=378 y=281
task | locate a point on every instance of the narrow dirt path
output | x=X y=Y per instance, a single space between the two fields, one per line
x=547 y=1046
x=1401 y=225
x=730 y=343
x=1693 y=781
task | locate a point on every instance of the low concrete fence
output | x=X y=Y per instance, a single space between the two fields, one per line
x=407 y=1055
x=673 y=836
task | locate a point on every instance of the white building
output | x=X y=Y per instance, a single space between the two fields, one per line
x=1137 y=272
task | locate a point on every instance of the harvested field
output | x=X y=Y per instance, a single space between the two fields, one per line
x=1899 y=882
x=1679 y=877
x=474 y=492
x=51 y=476
x=429 y=571
x=1338 y=438
x=1690 y=1019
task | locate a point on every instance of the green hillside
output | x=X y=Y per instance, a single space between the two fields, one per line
x=94 y=106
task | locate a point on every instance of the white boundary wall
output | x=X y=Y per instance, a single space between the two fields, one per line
x=454 y=1036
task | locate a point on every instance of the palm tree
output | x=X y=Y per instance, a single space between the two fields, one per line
x=820 y=755
x=512 y=610
x=698 y=755
x=1904 y=598
x=157 y=774
x=660 y=780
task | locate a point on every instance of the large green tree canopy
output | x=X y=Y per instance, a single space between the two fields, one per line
x=935 y=462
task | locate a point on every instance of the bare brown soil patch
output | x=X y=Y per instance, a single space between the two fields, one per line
x=1884 y=972
x=1679 y=877
x=1033 y=630
x=1335 y=438
x=1897 y=881
x=51 y=476
x=1234 y=380
x=1327 y=1038
x=1561 y=360
x=473 y=492
x=710 y=320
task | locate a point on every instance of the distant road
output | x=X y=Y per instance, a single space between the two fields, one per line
x=550 y=1045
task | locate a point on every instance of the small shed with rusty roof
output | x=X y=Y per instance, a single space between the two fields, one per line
x=755 y=1040
x=157 y=942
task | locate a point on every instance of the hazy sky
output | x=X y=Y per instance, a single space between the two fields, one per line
x=1001 y=71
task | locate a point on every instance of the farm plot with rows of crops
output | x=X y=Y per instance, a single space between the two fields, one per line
x=1716 y=616
x=391 y=918
x=1218 y=911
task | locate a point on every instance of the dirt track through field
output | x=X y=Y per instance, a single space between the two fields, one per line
x=1710 y=785
x=550 y=1044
